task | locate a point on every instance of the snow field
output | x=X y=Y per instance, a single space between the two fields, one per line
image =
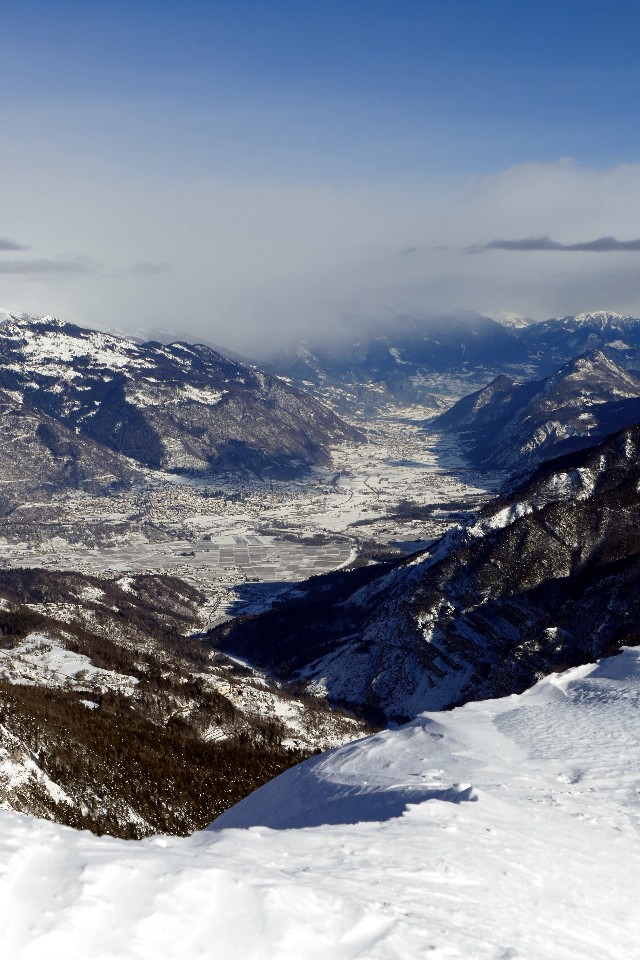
x=41 y=660
x=502 y=829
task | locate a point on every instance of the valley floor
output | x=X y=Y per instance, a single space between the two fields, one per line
x=502 y=829
x=400 y=490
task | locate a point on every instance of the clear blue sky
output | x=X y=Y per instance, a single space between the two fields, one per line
x=394 y=85
x=298 y=95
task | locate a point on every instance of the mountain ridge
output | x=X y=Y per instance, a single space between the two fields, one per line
x=546 y=576
x=515 y=425
x=413 y=359
x=176 y=407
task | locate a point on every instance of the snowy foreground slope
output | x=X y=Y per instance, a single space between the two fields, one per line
x=505 y=828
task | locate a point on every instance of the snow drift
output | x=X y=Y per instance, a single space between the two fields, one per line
x=503 y=828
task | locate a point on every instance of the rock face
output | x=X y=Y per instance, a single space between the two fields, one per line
x=177 y=407
x=548 y=577
x=514 y=426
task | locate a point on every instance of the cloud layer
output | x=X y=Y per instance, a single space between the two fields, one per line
x=6 y=244
x=43 y=266
x=242 y=262
x=528 y=244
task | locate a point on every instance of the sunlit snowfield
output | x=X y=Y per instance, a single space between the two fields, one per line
x=502 y=829
x=224 y=532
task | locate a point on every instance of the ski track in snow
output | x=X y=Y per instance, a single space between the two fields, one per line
x=502 y=829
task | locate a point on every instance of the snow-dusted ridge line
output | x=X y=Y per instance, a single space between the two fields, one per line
x=600 y=316
x=515 y=425
x=401 y=861
x=175 y=406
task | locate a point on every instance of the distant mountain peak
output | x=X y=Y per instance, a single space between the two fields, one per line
x=514 y=321
x=600 y=318
x=501 y=382
x=14 y=316
x=31 y=319
x=596 y=363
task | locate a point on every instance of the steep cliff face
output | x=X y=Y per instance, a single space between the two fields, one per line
x=547 y=577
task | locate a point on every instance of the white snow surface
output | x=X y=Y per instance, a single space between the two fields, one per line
x=49 y=345
x=502 y=829
x=599 y=316
x=41 y=660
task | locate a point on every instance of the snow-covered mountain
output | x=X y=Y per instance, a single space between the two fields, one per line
x=176 y=407
x=114 y=718
x=509 y=425
x=514 y=321
x=413 y=359
x=554 y=342
x=41 y=456
x=547 y=577
x=501 y=829
x=397 y=360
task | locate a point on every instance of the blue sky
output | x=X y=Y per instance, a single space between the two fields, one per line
x=186 y=157
x=477 y=85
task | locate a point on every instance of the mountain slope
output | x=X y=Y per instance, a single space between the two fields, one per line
x=417 y=359
x=547 y=577
x=42 y=456
x=554 y=342
x=514 y=426
x=113 y=718
x=177 y=407
x=499 y=830
x=399 y=360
